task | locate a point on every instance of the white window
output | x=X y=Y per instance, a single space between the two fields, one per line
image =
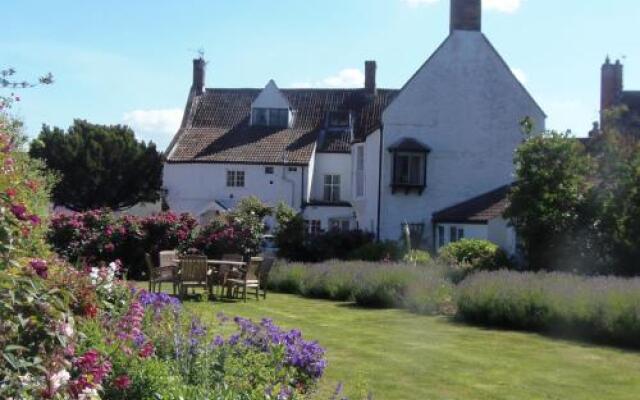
x=314 y=226
x=340 y=224
x=455 y=234
x=235 y=178
x=360 y=171
x=259 y=117
x=332 y=188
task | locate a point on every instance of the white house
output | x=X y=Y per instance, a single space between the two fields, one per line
x=436 y=154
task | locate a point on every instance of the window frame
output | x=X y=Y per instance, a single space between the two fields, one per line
x=313 y=226
x=236 y=178
x=418 y=183
x=331 y=192
x=269 y=170
x=271 y=117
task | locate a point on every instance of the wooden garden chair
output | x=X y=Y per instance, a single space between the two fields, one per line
x=192 y=272
x=159 y=275
x=250 y=279
x=265 y=268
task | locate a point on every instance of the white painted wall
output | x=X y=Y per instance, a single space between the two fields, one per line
x=466 y=105
x=192 y=187
x=331 y=164
x=500 y=233
x=471 y=231
x=367 y=207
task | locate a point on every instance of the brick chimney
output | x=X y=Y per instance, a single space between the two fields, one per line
x=466 y=15
x=199 y=65
x=370 y=77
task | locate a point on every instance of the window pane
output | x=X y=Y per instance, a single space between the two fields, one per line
x=402 y=169
x=240 y=178
x=231 y=178
x=440 y=236
x=453 y=234
x=415 y=171
x=259 y=116
x=336 y=193
x=460 y=234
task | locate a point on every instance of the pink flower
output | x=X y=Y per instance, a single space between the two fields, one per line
x=39 y=267
x=146 y=351
x=109 y=247
x=19 y=211
x=122 y=382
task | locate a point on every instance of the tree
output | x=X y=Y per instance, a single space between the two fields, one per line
x=549 y=203
x=100 y=166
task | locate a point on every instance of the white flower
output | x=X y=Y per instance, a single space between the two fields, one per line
x=66 y=329
x=58 y=379
x=89 y=394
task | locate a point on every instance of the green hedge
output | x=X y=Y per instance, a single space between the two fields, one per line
x=603 y=308
x=422 y=289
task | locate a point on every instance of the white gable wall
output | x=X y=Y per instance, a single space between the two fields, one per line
x=270 y=97
x=466 y=105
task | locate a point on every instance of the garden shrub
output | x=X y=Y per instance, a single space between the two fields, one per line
x=377 y=251
x=418 y=257
x=369 y=284
x=101 y=236
x=470 y=255
x=296 y=244
x=605 y=308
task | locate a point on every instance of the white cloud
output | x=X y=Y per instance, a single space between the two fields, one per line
x=504 y=6
x=346 y=78
x=520 y=74
x=156 y=125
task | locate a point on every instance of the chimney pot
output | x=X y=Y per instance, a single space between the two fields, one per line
x=370 y=68
x=199 y=65
x=466 y=15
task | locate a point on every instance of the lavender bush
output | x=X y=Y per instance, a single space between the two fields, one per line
x=421 y=289
x=605 y=308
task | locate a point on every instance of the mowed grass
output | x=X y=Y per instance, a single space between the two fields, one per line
x=398 y=355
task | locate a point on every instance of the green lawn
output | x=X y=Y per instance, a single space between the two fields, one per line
x=399 y=355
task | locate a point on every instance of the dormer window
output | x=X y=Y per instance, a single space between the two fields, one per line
x=338 y=119
x=274 y=117
x=409 y=166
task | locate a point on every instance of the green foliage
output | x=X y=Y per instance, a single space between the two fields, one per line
x=418 y=257
x=296 y=244
x=601 y=308
x=101 y=166
x=471 y=255
x=422 y=289
x=377 y=251
x=548 y=200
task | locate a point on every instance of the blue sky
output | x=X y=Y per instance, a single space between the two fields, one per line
x=130 y=61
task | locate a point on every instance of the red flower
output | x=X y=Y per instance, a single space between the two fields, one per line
x=146 y=351
x=122 y=382
x=109 y=247
x=11 y=192
x=90 y=310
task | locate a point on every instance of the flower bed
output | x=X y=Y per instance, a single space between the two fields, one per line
x=603 y=308
x=424 y=289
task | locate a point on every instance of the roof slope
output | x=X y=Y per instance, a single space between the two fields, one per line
x=218 y=128
x=480 y=209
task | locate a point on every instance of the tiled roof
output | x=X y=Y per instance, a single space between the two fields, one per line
x=481 y=209
x=335 y=142
x=218 y=128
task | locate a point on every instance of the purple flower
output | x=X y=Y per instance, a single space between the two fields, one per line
x=40 y=267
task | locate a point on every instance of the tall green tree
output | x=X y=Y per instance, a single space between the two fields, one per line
x=100 y=166
x=550 y=202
